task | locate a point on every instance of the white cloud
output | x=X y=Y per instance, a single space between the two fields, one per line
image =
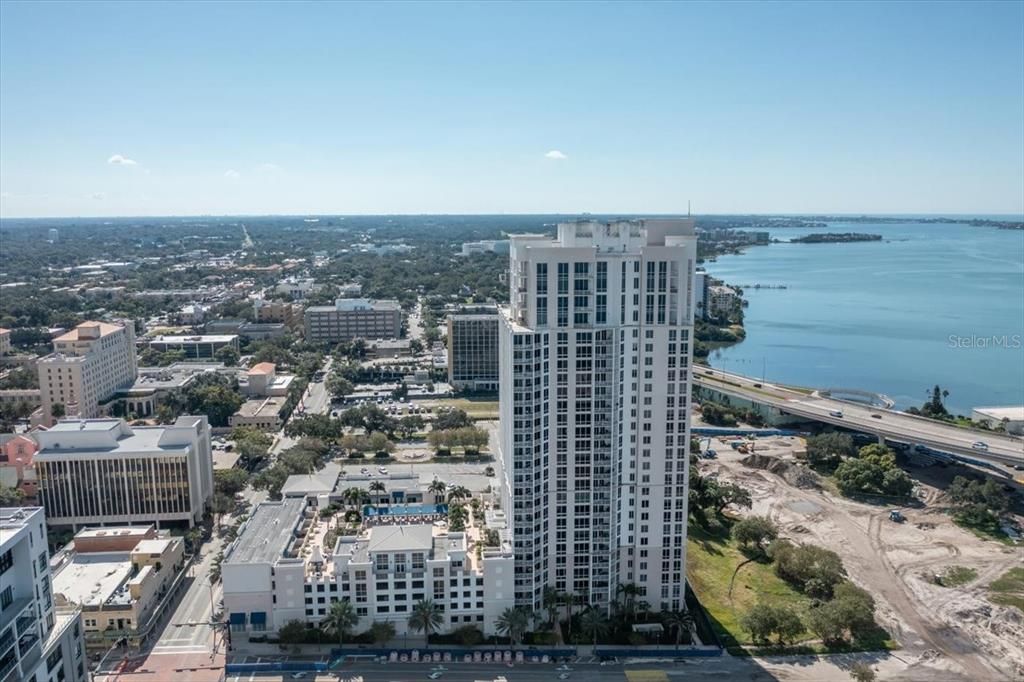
x=232 y=174
x=118 y=160
x=98 y=196
x=556 y=155
x=267 y=168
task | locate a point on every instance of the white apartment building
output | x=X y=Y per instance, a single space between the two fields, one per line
x=89 y=364
x=721 y=300
x=595 y=355
x=96 y=472
x=279 y=569
x=38 y=641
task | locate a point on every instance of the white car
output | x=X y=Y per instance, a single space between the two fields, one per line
x=979 y=445
x=835 y=413
x=383 y=470
x=435 y=675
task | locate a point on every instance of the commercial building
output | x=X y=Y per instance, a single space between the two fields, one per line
x=280 y=569
x=350 y=290
x=265 y=414
x=89 y=364
x=721 y=301
x=594 y=356
x=153 y=384
x=103 y=471
x=298 y=287
x=17 y=464
x=119 y=578
x=39 y=641
x=202 y=347
x=263 y=380
x=277 y=312
x=5 y=341
x=473 y=349
x=193 y=314
x=1010 y=418
x=353 y=318
x=486 y=246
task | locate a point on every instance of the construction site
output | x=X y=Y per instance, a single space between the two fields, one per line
x=941 y=629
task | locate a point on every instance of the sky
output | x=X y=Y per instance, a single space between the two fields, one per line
x=343 y=108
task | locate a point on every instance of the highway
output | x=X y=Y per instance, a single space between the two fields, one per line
x=891 y=424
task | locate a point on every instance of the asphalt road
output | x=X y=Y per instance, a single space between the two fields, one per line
x=892 y=424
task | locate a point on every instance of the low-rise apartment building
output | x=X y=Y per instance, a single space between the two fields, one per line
x=89 y=364
x=281 y=569
x=119 y=578
x=353 y=318
x=721 y=301
x=39 y=640
x=103 y=471
x=17 y=466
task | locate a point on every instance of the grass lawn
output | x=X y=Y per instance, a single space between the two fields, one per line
x=1009 y=589
x=710 y=563
x=986 y=531
x=476 y=408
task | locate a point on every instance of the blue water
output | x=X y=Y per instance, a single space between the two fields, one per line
x=880 y=316
x=406 y=510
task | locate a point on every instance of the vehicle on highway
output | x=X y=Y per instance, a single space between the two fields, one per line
x=435 y=675
x=563 y=676
x=979 y=445
x=298 y=676
x=757 y=385
x=382 y=470
x=875 y=415
x=564 y=668
x=835 y=413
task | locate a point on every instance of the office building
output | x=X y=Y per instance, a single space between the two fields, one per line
x=298 y=287
x=700 y=294
x=88 y=366
x=265 y=414
x=486 y=246
x=594 y=356
x=53 y=235
x=39 y=641
x=103 y=471
x=353 y=318
x=5 y=341
x=473 y=349
x=196 y=347
x=277 y=312
x=280 y=569
x=262 y=380
x=119 y=577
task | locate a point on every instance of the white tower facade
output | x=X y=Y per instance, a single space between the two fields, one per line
x=595 y=353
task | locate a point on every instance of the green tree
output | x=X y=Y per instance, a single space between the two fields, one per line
x=826 y=621
x=458 y=492
x=382 y=632
x=341 y=618
x=228 y=355
x=829 y=449
x=437 y=488
x=594 y=624
x=813 y=569
x=292 y=632
x=755 y=533
x=230 y=481
x=221 y=504
x=679 y=621
x=856 y=608
x=338 y=386
x=513 y=622
x=550 y=602
x=763 y=619
x=426 y=617
x=451 y=418
x=873 y=472
x=410 y=425
x=10 y=496
x=57 y=410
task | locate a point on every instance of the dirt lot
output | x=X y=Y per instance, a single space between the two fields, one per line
x=945 y=632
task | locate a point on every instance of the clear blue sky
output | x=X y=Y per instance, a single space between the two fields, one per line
x=192 y=108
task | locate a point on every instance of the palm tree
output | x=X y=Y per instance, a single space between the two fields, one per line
x=594 y=624
x=458 y=492
x=550 y=602
x=379 y=488
x=678 y=620
x=437 y=488
x=629 y=593
x=355 y=496
x=425 y=617
x=341 y=618
x=642 y=607
x=513 y=622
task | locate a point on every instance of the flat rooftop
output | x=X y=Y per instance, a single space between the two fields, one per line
x=1012 y=413
x=267 y=533
x=95 y=578
x=202 y=338
x=261 y=407
x=89 y=331
x=321 y=482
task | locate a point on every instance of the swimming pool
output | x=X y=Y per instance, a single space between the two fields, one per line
x=405 y=509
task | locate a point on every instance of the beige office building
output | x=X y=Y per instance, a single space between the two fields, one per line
x=103 y=471
x=88 y=366
x=353 y=318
